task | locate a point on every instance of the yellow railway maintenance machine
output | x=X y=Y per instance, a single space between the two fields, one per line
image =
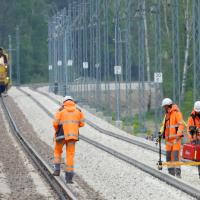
x=4 y=79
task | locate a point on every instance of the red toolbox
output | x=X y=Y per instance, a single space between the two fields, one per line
x=191 y=152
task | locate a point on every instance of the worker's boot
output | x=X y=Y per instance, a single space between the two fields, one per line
x=177 y=169
x=178 y=172
x=199 y=170
x=56 y=170
x=68 y=177
x=171 y=171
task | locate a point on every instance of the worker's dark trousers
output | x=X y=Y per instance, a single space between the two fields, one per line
x=197 y=142
x=175 y=171
x=199 y=170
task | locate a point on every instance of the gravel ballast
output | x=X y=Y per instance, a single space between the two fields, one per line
x=112 y=178
x=189 y=174
x=4 y=188
x=22 y=179
x=45 y=150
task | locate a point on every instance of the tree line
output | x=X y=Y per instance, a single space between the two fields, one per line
x=32 y=18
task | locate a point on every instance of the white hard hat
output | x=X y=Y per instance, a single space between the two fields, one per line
x=66 y=98
x=197 y=106
x=166 y=102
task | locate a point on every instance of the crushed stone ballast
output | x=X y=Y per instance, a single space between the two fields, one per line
x=56 y=183
x=187 y=188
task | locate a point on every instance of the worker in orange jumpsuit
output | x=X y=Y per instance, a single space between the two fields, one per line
x=66 y=123
x=193 y=126
x=173 y=133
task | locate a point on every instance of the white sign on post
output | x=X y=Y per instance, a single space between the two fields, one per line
x=85 y=65
x=117 y=70
x=70 y=62
x=158 y=77
x=50 y=67
x=59 y=63
x=97 y=65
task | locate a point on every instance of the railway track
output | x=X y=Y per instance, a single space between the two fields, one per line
x=57 y=184
x=183 y=186
x=111 y=134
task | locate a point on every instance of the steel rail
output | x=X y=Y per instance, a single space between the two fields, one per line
x=188 y=189
x=109 y=133
x=56 y=183
x=120 y=137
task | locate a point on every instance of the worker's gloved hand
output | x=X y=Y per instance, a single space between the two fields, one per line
x=159 y=134
x=178 y=139
x=192 y=130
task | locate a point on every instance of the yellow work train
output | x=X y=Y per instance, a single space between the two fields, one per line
x=4 y=78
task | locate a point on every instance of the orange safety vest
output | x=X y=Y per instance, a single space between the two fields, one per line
x=70 y=118
x=173 y=129
x=193 y=120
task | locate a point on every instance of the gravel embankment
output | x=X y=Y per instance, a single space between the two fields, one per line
x=41 y=139
x=189 y=174
x=4 y=188
x=18 y=178
x=95 y=119
x=112 y=178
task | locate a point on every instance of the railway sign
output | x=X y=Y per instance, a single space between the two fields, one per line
x=158 y=77
x=59 y=62
x=117 y=70
x=97 y=65
x=69 y=62
x=85 y=65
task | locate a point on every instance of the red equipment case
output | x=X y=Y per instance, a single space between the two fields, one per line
x=191 y=152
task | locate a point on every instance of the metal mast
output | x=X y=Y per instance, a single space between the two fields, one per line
x=175 y=52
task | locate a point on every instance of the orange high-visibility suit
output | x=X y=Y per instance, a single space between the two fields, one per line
x=71 y=118
x=173 y=132
x=193 y=120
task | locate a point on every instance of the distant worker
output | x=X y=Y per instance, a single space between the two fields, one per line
x=193 y=126
x=172 y=133
x=3 y=58
x=67 y=121
x=194 y=122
